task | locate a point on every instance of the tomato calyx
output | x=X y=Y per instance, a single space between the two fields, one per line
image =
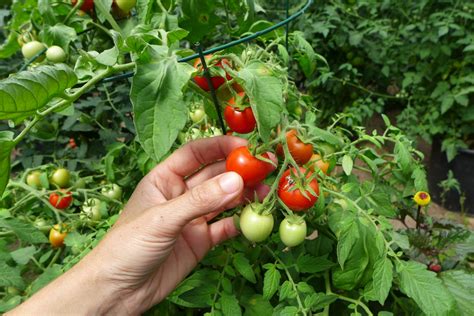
x=298 y=190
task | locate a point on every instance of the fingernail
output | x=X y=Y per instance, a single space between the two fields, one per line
x=230 y=182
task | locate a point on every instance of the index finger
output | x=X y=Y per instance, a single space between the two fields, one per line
x=192 y=156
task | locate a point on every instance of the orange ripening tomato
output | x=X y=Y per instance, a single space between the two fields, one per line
x=316 y=162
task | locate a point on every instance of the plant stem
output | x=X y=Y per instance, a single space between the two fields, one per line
x=418 y=217
x=219 y=284
x=73 y=10
x=55 y=258
x=73 y=97
x=298 y=299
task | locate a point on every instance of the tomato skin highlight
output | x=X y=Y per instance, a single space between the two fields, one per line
x=56 y=237
x=60 y=201
x=292 y=234
x=216 y=81
x=240 y=121
x=255 y=227
x=293 y=198
x=251 y=169
x=88 y=5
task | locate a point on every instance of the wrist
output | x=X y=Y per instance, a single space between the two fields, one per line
x=80 y=290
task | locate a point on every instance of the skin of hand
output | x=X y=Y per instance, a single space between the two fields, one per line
x=161 y=235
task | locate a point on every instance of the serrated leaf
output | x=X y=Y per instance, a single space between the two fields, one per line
x=289 y=311
x=265 y=93
x=381 y=280
x=422 y=285
x=309 y=264
x=256 y=305
x=344 y=245
x=401 y=240
x=157 y=93
x=27 y=91
x=23 y=255
x=24 y=231
x=403 y=156
x=286 y=291
x=242 y=265
x=230 y=305
x=271 y=281
x=347 y=164
x=461 y=285
x=10 y=276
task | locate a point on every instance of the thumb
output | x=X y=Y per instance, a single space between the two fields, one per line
x=215 y=194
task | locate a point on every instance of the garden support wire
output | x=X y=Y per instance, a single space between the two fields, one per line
x=233 y=43
x=201 y=54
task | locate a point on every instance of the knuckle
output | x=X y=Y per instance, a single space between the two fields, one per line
x=200 y=196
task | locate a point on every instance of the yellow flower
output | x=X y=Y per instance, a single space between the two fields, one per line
x=422 y=198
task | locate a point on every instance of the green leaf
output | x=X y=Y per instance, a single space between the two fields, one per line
x=58 y=34
x=230 y=305
x=256 y=305
x=309 y=264
x=10 y=276
x=24 y=231
x=6 y=147
x=289 y=311
x=271 y=281
x=461 y=285
x=265 y=93
x=10 y=303
x=199 y=17
x=346 y=242
x=381 y=281
x=27 y=91
x=242 y=265
x=157 y=93
x=419 y=179
x=198 y=290
x=347 y=164
x=23 y=255
x=403 y=156
x=422 y=285
x=401 y=240
x=447 y=102
x=304 y=54
x=48 y=275
x=286 y=291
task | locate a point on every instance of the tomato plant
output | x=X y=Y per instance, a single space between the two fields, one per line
x=252 y=170
x=298 y=190
x=292 y=231
x=240 y=120
x=255 y=227
x=127 y=96
x=60 y=200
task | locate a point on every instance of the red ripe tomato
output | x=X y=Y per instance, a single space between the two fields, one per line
x=292 y=196
x=251 y=169
x=240 y=121
x=435 y=267
x=217 y=81
x=300 y=151
x=87 y=6
x=61 y=201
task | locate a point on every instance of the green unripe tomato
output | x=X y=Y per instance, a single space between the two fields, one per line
x=292 y=231
x=31 y=49
x=60 y=177
x=55 y=54
x=126 y=5
x=255 y=227
x=197 y=115
x=92 y=209
x=112 y=192
x=33 y=179
x=42 y=225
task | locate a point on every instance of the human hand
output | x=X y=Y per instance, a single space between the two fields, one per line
x=161 y=235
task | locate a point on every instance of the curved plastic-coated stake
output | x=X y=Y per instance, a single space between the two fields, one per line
x=207 y=75
x=233 y=43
